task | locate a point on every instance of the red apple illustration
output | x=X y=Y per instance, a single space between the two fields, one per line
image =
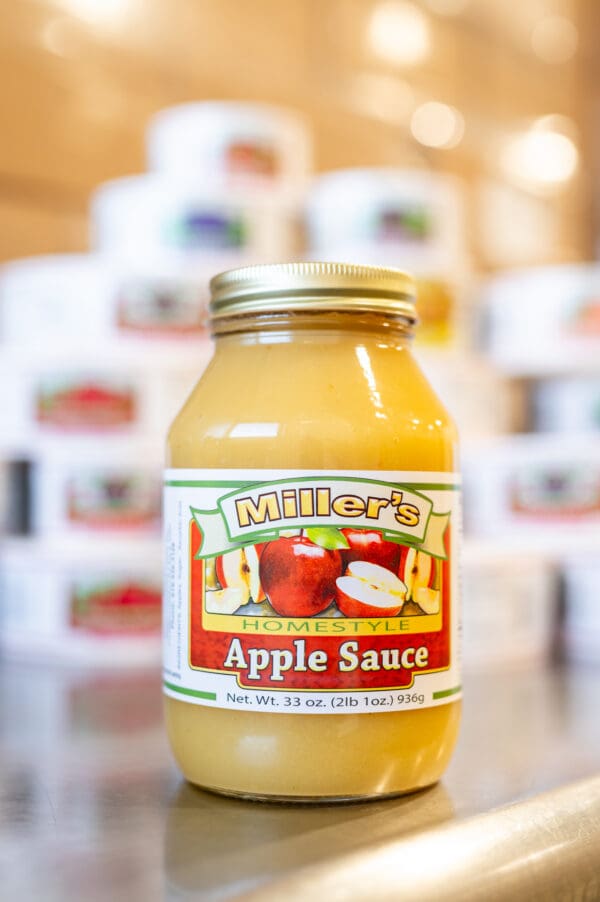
x=368 y=590
x=369 y=545
x=299 y=576
x=239 y=569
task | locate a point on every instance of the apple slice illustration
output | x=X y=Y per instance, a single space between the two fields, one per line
x=428 y=600
x=238 y=569
x=418 y=570
x=210 y=574
x=224 y=601
x=369 y=590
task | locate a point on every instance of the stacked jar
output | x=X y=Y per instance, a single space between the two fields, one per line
x=100 y=351
x=542 y=490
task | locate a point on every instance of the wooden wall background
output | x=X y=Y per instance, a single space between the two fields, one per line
x=75 y=95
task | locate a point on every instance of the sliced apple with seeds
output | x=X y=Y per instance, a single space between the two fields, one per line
x=238 y=569
x=224 y=601
x=418 y=570
x=369 y=590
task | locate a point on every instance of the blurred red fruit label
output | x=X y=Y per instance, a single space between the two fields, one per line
x=585 y=320
x=85 y=404
x=248 y=157
x=296 y=592
x=117 y=608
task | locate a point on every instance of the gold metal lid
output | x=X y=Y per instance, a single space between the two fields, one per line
x=323 y=287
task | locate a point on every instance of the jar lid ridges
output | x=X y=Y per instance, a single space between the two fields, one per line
x=312 y=285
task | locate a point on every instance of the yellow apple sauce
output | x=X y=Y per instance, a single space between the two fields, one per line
x=313 y=372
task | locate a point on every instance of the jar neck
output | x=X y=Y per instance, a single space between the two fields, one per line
x=313 y=326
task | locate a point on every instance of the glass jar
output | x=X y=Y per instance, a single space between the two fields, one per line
x=311 y=525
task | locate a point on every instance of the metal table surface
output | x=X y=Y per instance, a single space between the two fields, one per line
x=92 y=807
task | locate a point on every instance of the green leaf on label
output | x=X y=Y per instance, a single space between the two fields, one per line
x=328 y=537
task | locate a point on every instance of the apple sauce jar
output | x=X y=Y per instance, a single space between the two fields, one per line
x=311 y=519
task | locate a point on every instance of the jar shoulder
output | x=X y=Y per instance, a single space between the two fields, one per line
x=370 y=403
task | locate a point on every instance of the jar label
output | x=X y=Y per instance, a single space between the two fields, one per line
x=82 y=402
x=311 y=592
x=206 y=230
x=100 y=499
x=248 y=156
x=161 y=307
x=115 y=608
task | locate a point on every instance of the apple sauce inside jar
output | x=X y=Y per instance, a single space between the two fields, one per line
x=311 y=527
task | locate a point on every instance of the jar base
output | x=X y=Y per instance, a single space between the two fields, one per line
x=277 y=799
